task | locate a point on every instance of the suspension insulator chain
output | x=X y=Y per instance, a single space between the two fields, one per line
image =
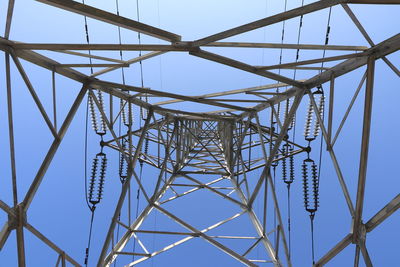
x=146 y=144
x=312 y=126
x=286 y=113
x=250 y=146
x=127 y=117
x=288 y=178
x=97 y=178
x=145 y=151
x=123 y=166
x=274 y=163
x=284 y=165
x=321 y=105
x=291 y=165
x=98 y=122
x=310 y=186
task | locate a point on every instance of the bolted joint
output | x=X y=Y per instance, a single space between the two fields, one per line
x=196 y=234
x=18 y=217
x=361 y=236
x=307 y=149
x=185 y=46
x=102 y=143
x=363 y=233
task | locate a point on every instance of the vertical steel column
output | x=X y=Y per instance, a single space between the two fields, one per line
x=227 y=145
x=11 y=130
x=10 y=11
x=20 y=225
x=364 y=148
x=53 y=83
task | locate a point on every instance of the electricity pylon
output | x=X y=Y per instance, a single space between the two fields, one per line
x=203 y=151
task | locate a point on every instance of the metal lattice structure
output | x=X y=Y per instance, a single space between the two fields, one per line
x=200 y=150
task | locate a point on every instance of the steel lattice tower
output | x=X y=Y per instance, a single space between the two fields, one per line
x=211 y=151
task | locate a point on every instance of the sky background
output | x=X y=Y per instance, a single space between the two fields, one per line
x=59 y=210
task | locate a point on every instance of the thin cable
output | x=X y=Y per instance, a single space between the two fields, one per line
x=289 y=229
x=312 y=214
x=298 y=41
x=274 y=185
x=88 y=41
x=137 y=207
x=320 y=151
x=264 y=40
x=86 y=151
x=328 y=30
x=154 y=236
x=87 y=115
x=92 y=208
x=90 y=237
x=140 y=62
x=119 y=121
x=292 y=125
x=295 y=70
x=288 y=179
x=312 y=238
x=159 y=141
x=120 y=42
x=142 y=117
x=87 y=112
x=280 y=56
x=250 y=146
x=119 y=218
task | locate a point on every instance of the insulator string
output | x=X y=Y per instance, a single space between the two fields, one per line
x=89 y=109
x=312 y=125
x=288 y=178
x=102 y=122
x=123 y=166
x=321 y=112
x=98 y=122
x=97 y=179
x=310 y=186
x=310 y=135
x=311 y=194
x=93 y=114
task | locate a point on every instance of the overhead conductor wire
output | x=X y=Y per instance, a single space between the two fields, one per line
x=328 y=30
x=290 y=147
x=86 y=145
